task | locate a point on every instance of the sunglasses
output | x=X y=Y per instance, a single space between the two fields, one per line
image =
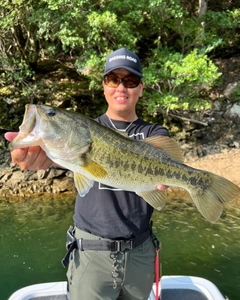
x=129 y=82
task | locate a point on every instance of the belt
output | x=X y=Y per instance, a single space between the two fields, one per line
x=114 y=246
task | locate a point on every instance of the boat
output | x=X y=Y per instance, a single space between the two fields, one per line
x=169 y=288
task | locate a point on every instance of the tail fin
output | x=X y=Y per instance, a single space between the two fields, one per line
x=210 y=202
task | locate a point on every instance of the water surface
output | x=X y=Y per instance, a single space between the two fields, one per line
x=193 y=246
x=33 y=230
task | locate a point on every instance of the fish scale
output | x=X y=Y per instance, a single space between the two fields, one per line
x=97 y=153
x=144 y=167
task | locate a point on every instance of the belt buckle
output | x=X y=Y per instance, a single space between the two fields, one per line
x=123 y=245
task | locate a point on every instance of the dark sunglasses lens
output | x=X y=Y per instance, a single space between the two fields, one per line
x=111 y=80
x=131 y=81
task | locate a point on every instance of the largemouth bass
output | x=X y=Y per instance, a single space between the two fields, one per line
x=97 y=153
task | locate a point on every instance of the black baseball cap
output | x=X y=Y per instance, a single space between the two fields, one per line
x=123 y=58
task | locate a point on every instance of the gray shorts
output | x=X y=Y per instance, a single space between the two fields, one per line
x=90 y=272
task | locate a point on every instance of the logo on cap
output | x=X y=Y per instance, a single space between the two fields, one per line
x=123 y=58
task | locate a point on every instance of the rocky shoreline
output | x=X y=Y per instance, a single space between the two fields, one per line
x=220 y=156
x=17 y=183
x=210 y=140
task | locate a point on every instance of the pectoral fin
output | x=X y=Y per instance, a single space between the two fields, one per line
x=155 y=198
x=83 y=184
x=94 y=169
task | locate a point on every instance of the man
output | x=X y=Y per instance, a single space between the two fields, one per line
x=114 y=254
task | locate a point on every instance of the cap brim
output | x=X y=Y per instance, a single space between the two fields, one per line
x=124 y=67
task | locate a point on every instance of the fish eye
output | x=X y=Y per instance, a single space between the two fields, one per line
x=51 y=112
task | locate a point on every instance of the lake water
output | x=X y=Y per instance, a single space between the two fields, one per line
x=32 y=243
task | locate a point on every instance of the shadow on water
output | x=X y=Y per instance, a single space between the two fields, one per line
x=32 y=243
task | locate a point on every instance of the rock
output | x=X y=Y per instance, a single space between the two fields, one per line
x=226 y=164
x=14 y=182
x=229 y=89
x=236 y=144
x=63 y=185
x=210 y=140
x=234 y=110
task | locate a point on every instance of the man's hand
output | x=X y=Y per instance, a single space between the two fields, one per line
x=30 y=158
x=34 y=158
x=162 y=187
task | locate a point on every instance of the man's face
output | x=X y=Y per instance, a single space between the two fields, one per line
x=121 y=99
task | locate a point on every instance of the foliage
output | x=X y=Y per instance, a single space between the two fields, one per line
x=224 y=26
x=171 y=39
x=177 y=81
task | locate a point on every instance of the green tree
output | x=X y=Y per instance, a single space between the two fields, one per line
x=178 y=81
x=175 y=40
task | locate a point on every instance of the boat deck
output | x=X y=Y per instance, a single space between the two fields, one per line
x=57 y=297
x=170 y=288
x=166 y=295
x=177 y=294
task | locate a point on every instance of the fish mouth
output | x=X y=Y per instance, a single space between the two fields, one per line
x=26 y=136
x=29 y=120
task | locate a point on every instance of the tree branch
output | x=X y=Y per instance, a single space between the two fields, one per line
x=189 y=120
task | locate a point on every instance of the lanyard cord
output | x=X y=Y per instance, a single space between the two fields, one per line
x=157 y=246
x=157 y=274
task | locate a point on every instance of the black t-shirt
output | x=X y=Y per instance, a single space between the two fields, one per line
x=113 y=213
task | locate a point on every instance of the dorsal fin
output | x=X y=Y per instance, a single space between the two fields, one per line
x=166 y=144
